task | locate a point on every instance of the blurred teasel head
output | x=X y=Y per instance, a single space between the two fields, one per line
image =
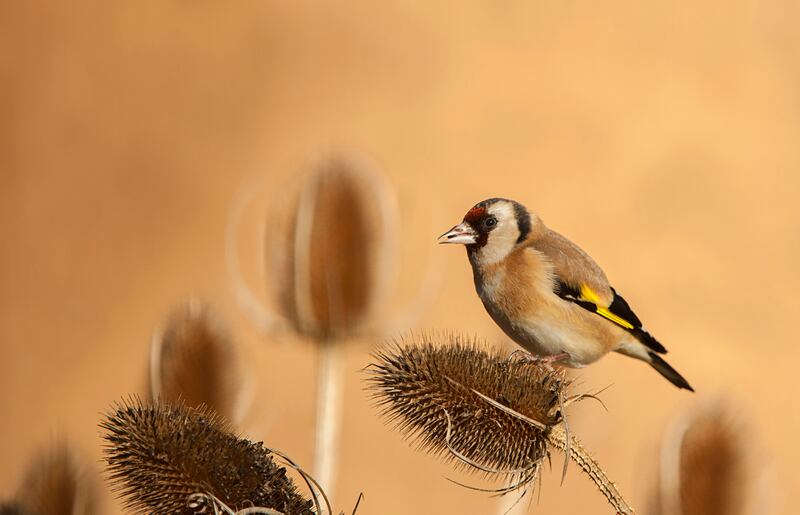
x=329 y=253
x=193 y=358
x=171 y=458
x=13 y=508
x=708 y=464
x=57 y=482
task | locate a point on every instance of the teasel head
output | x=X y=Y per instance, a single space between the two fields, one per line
x=14 y=508
x=193 y=358
x=329 y=258
x=494 y=414
x=171 y=458
x=707 y=464
x=57 y=482
x=329 y=250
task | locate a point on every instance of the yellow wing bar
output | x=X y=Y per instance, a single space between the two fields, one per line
x=590 y=295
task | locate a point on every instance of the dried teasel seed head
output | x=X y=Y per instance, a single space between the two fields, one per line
x=496 y=414
x=327 y=255
x=705 y=466
x=57 y=483
x=194 y=359
x=162 y=457
x=419 y=385
x=14 y=508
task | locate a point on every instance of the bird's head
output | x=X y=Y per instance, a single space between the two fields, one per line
x=492 y=229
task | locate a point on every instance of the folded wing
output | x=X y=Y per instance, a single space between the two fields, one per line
x=578 y=279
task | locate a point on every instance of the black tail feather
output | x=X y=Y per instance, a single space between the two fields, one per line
x=647 y=339
x=667 y=371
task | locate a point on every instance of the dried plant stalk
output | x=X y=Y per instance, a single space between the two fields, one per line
x=705 y=466
x=169 y=458
x=330 y=383
x=56 y=483
x=194 y=359
x=557 y=437
x=485 y=412
x=328 y=268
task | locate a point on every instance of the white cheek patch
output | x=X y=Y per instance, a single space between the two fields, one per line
x=503 y=238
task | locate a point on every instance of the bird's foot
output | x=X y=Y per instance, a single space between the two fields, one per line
x=523 y=355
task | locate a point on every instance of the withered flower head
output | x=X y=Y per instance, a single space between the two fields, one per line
x=496 y=414
x=163 y=458
x=14 y=508
x=327 y=254
x=57 y=483
x=420 y=385
x=194 y=359
x=706 y=466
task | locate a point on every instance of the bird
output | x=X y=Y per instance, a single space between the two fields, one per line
x=547 y=294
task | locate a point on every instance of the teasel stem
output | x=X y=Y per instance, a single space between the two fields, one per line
x=329 y=374
x=558 y=438
x=330 y=382
x=328 y=272
x=513 y=503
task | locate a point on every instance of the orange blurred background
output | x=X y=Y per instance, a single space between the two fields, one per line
x=663 y=137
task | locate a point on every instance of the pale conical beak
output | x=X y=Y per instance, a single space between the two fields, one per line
x=461 y=233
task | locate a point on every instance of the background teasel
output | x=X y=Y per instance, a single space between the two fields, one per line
x=491 y=413
x=328 y=264
x=171 y=458
x=56 y=482
x=14 y=508
x=193 y=358
x=329 y=250
x=709 y=464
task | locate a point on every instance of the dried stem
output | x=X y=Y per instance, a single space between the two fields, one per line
x=557 y=437
x=329 y=414
x=513 y=503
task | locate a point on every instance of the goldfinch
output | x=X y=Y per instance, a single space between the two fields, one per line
x=547 y=294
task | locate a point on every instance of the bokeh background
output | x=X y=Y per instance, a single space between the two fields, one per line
x=664 y=137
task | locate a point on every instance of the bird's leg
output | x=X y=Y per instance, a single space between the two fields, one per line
x=555 y=358
x=547 y=361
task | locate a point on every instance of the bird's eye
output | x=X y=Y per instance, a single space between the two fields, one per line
x=490 y=222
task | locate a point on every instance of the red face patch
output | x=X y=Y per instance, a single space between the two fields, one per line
x=475 y=214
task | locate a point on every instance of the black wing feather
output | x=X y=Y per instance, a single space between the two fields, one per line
x=618 y=307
